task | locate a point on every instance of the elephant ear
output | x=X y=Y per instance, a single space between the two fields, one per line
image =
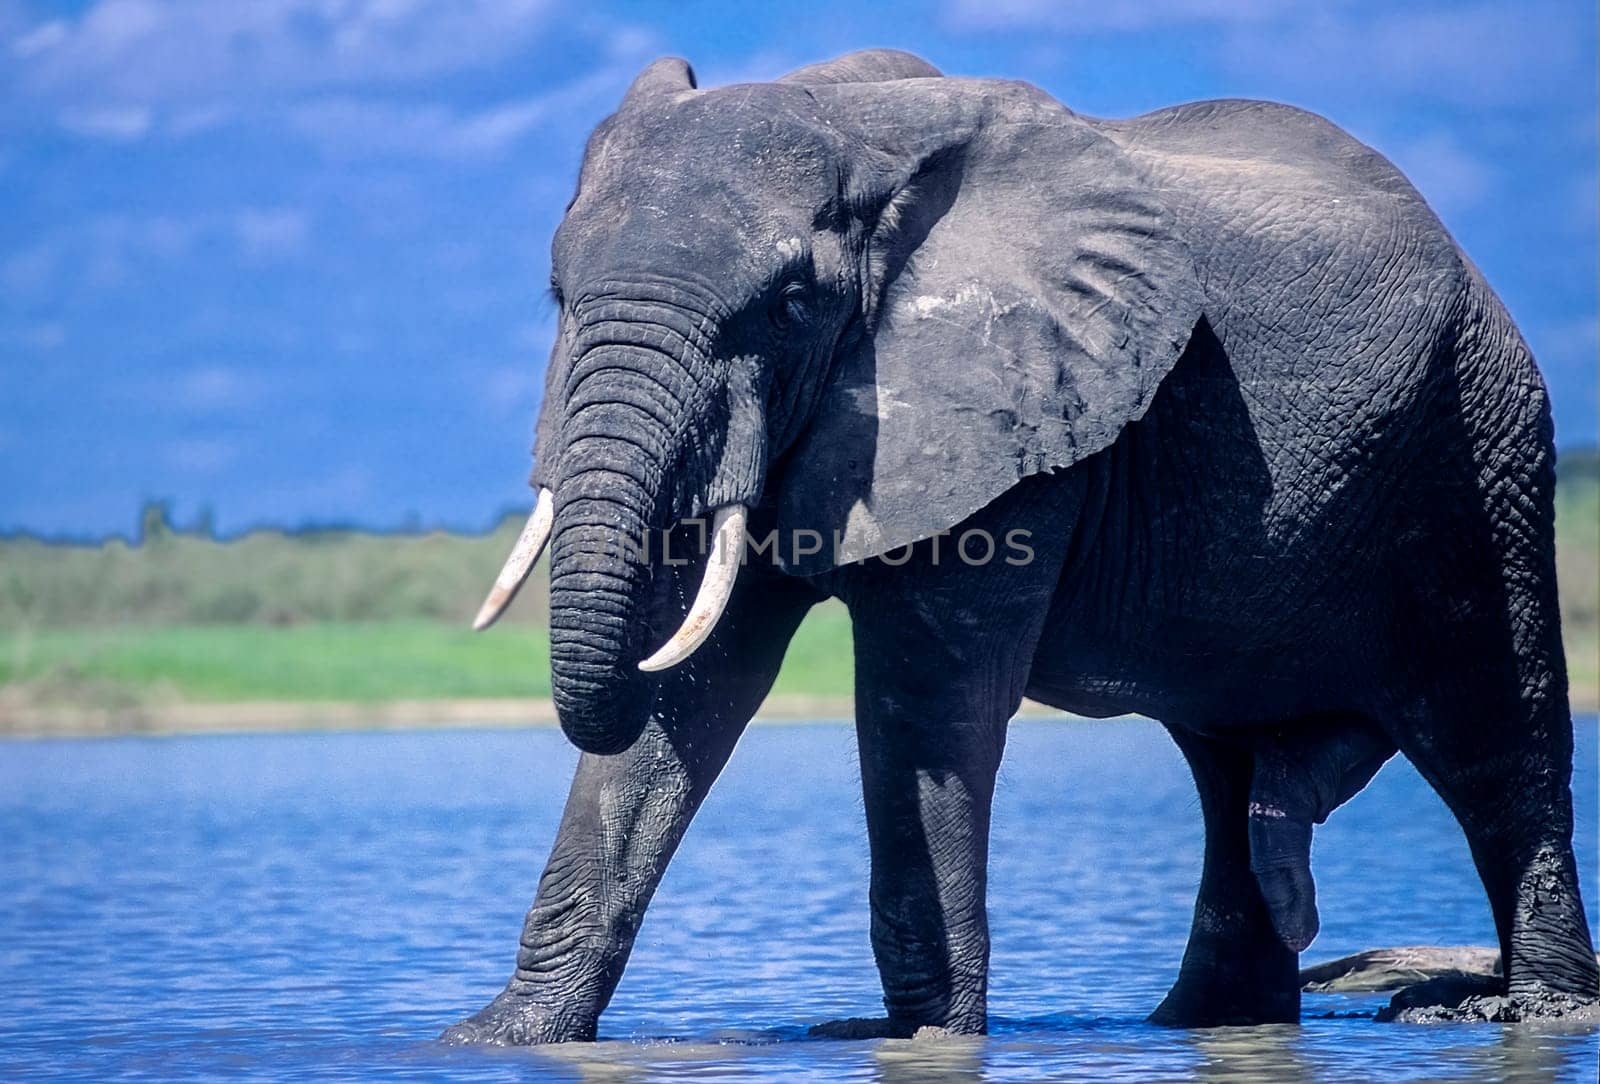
x=1027 y=292
x=863 y=66
x=552 y=407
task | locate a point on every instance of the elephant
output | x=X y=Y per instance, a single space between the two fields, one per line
x=1275 y=465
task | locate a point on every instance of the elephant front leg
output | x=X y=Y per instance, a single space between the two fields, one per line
x=927 y=805
x=624 y=818
x=942 y=657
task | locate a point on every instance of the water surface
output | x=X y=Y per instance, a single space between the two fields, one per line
x=320 y=906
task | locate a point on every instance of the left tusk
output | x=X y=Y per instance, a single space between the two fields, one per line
x=524 y=555
x=727 y=549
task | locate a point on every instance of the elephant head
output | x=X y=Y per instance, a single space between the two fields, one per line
x=867 y=296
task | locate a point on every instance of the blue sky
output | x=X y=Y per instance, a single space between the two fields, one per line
x=285 y=259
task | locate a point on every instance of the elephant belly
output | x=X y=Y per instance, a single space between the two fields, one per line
x=1222 y=586
x=1205 y=692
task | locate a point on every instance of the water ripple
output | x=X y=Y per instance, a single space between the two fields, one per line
x=320 y=906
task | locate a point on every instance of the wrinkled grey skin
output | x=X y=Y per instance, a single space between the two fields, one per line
x=1285 y=462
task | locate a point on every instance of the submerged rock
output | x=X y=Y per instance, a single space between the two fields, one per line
x=1392 y=968
x=1437 y=985
x=1422 y=1006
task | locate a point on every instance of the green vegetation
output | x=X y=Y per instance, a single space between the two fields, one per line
x=370 y=661
x=262 y=578
x=1578 y=555
x=312 y=615
x=347 y=615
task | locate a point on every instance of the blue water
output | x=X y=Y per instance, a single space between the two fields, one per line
x=320 y=906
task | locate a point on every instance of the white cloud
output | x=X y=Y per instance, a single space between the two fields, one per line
x=1578 y=337
x=32 y=270
x=118 y=124
x=351 y=127
x=1475 y=53
x=165 y=237
x=151 y=51
x=266 y=234
x=508 y=391
x=46 y=336
x=334 y=497
x=758 y=67
x=49 y=335
x=109 y=250
x=212 y=388
x=354 y=127
x=1108 y=15
x=204 y=118
x=42 y=38
x=534 y=334
x=355 y=77
x=1445 y=170
x=199 y=455
x=1469 y=54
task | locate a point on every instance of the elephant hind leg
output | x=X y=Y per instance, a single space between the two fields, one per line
x=1236 y=970
x=1491 y=732
x=1482 y=710
x=1506 y=778
x=1256 y=910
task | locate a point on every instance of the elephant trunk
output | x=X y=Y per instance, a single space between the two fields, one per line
x=643 y=425
x=617 y=451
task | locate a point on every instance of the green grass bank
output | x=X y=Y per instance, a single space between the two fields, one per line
x=344 y=615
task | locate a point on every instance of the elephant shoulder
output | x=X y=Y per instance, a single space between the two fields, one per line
x=1262 y=184
x=1256 y=149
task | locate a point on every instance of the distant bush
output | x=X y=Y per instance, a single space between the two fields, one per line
x=266 y=577
x=177 y=577
x=1578 y=557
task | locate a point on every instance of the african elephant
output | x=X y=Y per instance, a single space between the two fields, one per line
x=1282 y=462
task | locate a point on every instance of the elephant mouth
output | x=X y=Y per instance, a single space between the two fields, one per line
x=716 y=585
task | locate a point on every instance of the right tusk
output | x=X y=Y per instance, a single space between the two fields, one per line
x=727 y=550
x=524 y=555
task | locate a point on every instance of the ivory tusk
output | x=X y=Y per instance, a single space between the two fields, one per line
x=524 y=555
x=727 y=550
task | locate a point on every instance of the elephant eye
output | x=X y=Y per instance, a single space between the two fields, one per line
x=556 y=296
x=789 y=308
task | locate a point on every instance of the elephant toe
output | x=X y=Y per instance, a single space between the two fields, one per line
x=861 y=1027
x=511 y=1020
x=1484 y=998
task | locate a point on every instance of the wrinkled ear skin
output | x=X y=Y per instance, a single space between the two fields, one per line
x=863 y=66
x=1028 y=291
x=669 y=75
x=738 y=460
x=547 y=431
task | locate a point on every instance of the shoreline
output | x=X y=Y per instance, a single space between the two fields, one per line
x=31 y=722
x=289 y=716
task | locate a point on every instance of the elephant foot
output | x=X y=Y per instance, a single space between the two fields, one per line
x=1187 y=1008
x=516 y=1020
x=1483 y=998
x=883 y=1028
x=1232 y=998
x=1232 y=987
